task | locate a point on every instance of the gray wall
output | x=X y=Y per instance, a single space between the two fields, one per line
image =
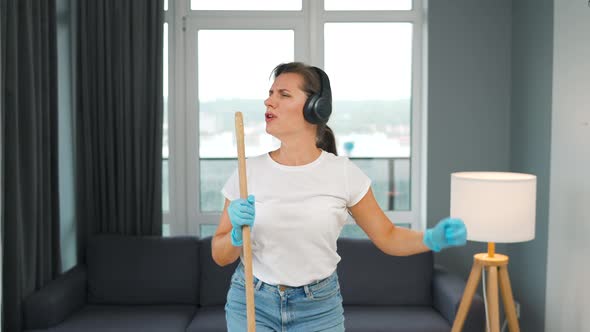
x=568 y=271
x=532 y=56
x=490 y=109
x=468 y=103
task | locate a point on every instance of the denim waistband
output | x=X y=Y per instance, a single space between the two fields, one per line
x=316 y=285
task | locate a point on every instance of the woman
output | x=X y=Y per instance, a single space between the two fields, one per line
x=302 y=195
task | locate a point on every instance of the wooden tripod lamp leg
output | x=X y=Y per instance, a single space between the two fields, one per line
x=508 y=300
x=247 y=248
x=493 y=302
x=468 y=293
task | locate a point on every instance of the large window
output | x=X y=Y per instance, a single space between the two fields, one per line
x=233 y=83
x=218 y=57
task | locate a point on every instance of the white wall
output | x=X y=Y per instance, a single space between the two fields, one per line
x=568 y=265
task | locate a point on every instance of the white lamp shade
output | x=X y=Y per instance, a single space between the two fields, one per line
x=495 y=206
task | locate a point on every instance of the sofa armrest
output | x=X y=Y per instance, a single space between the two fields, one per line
x=447 y=290
x=57 y=300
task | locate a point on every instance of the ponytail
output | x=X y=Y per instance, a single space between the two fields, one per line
x=325 y=139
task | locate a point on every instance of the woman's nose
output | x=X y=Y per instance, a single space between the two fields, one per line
x=268 y=102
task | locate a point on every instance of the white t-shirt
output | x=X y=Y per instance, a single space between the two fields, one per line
x=300 y=211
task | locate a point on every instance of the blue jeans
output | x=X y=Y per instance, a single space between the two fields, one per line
x=313 y=307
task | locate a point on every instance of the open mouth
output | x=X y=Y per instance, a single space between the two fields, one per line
x=269 y=116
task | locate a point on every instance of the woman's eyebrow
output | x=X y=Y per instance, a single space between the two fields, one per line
x=280 y=90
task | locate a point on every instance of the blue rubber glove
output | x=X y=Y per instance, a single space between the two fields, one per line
x=449 y=232
x=241 y=213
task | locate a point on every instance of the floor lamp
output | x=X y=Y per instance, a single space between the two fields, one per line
x=497 y=207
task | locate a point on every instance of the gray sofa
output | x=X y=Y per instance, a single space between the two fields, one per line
x=172 y=284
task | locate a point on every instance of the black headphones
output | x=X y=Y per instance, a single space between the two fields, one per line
x=318 y=107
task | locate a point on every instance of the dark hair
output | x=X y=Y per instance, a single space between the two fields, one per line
x=325 y=139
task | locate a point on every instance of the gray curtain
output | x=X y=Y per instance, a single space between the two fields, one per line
x=2 y=27
x=119 y=118
x=30 y=216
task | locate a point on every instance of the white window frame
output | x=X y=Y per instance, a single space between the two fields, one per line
x=170 y=217
x=183 y=26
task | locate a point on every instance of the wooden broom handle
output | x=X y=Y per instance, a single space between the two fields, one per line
x=247 y=247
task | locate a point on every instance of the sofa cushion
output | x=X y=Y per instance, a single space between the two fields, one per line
x=141 y=318
x=394 y=319
x=142 y=270
x=370 y=277
x=209 y=319
x=214 y=280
